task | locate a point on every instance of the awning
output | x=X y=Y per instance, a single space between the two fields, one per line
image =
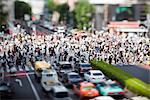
x=137 y=30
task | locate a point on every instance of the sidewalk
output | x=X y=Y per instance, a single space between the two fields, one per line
x=144 y=66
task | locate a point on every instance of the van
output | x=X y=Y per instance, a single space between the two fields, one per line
x=44 y=72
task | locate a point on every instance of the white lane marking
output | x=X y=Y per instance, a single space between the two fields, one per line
x=19 y=81
x=33 y=88
x=27 y=68
x=31 y=67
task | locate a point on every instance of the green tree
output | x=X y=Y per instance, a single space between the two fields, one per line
x=147 y=8
x=21 y=8
x=3 y=14
x=83 y=13
x=62 y=9
x=52 y=6
x=64 y=12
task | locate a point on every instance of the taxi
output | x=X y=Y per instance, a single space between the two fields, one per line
x=85 y=89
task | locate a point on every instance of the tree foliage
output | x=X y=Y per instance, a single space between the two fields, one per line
x=62 y=9
x=3 y=14
x=64 y=12
x=52 y=6
x=147 y=8
x=21 y=8
x=83 y=13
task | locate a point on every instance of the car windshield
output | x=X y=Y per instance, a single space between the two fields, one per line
x=97 y=74
x=103 y=84
x=61 y=94
x=85 y=65
x=66 y=66
x=88 y=88
x=74 y=76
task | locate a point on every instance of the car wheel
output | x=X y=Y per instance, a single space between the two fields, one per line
x=81 y=97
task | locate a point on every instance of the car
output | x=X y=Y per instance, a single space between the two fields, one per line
x=5 y=90
x=103 y=98
x=59 y=92
x=139 y=98
x=110 y=88
x=64 y=67
x=82 y=67
x=72 y=78
x=94 y=76
x=48 y=86
x=85 y=89
x=61 y=29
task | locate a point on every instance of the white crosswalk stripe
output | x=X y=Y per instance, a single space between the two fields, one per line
x=27 y=68
x=15 y=69
x=7 y=69
x=20 y=68
x=1 y=70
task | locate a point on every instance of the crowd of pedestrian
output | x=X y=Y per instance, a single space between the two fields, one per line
x=22 y=48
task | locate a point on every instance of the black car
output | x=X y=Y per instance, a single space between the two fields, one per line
x=5 y=90
x=82 y=67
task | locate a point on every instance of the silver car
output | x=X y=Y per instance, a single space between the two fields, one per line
x=60 y=93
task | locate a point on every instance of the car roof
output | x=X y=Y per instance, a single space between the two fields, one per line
x=110 y=82
x=42 y=65
x=64 y=62
x=86 y=84
x=73 y=73
x=60 y=88
x=104 y=98
x=95 y=71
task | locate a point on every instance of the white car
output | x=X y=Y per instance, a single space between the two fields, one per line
x=103 y=98
x=61 y=29
x=139 y=98
x=94 y=76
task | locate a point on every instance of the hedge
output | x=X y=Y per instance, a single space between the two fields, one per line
x=133 y=84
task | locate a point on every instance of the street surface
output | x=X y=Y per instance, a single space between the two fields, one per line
x=30 y=89
x=138 y=72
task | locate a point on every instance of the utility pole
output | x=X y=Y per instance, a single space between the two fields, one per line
x=106 y=8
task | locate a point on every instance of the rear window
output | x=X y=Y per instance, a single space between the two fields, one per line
x=88 y=88
x=85 y=65
x=74 y=76
x=49 y=75
x=97 y=74
x=66 y=66
x=61 y=94
x=113 y=85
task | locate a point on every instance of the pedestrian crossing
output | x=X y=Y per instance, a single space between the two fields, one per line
x=15 y=69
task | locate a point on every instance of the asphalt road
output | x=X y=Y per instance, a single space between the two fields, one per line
x=138 y=72
x=30 y=89
x=21 y=91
